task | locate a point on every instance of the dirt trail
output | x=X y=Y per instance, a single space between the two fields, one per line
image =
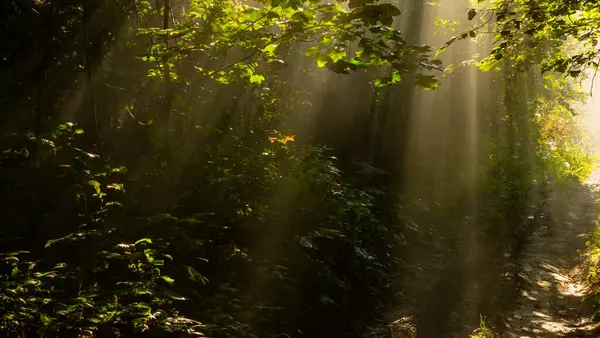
x=553 y=298
x=542 y=293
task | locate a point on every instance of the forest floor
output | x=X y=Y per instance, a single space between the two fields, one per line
x=554 y=299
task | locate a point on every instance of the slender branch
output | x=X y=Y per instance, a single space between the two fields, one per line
x=593 y=80
x=120 y=89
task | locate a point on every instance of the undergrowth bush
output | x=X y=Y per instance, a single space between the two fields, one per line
x=262 y=238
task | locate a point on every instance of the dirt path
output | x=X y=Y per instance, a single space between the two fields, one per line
x=540 y=294
x=553 y=299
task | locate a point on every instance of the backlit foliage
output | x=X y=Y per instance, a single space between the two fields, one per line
x=342 y=37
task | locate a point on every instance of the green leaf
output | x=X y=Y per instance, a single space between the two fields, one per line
x=96 y=185
x=313 y=51
x=388 y=80
x=116 y=186
x=196 y=276
x=51 y=274
x=390 y=9
x=257 y=78
x=12 y=259
x=358 y=3
x=60 y=266
x=358 y=63
x=472 y=14
x=446 y=45
x=45 y=319
x=143 y=240
x=149 y=255
x=305 y=242
x=337 y=55
x=121 y=170
x=270 y=49
x=380 y=83
x=362 y=253
x=168 y=279
x=33 y=282
x=426 y=81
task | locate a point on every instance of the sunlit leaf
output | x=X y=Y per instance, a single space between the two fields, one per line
x=115 y=186
x=196 y=276
x=143 y=240
x=270 y=49
x=96 y=185
x=257 y=78
x=168 y=279
x=45 y=319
